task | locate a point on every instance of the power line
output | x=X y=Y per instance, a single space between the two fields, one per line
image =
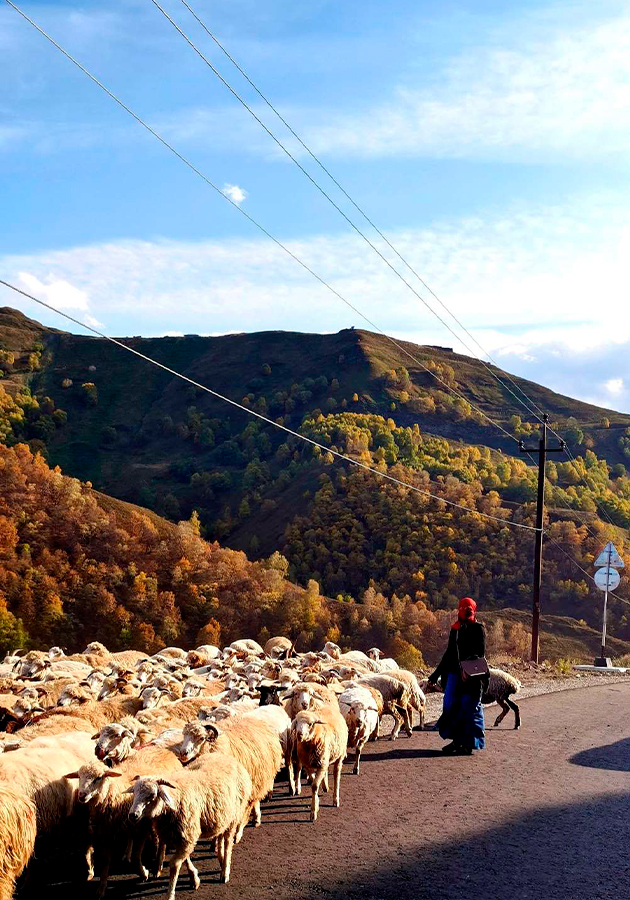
x=364 y=237
x=254 y=222
x=258 y=415
x=532 y=405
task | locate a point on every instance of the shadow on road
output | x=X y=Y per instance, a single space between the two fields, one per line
x=615 y=757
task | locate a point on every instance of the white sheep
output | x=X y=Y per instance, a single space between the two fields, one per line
x=18 y=831
x=254 y=743
x=361 y=712
x=109 y=805
x=210 y=800
x=320 y=738
x=396 y=699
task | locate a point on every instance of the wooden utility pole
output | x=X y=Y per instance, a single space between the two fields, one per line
x=542 y=451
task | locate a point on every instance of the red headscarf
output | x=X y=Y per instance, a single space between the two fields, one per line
x=467 y=603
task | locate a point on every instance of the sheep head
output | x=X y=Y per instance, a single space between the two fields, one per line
x=151 y=796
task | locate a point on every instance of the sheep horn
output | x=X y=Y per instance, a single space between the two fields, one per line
x=212 y=730
x=167 y=783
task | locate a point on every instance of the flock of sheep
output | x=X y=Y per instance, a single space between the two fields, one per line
x=133 y=750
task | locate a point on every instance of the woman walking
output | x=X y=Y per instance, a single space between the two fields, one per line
x=462 y=720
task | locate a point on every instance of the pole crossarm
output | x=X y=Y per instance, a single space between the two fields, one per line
x=542 y=450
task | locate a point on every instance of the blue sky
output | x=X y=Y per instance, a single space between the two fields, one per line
x=489 y=140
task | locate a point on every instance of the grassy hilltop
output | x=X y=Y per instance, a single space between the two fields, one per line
x=143 y=436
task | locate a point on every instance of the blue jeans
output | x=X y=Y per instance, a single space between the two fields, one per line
x=462 y=715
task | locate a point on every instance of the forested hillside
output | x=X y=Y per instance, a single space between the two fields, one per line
x=143 y=436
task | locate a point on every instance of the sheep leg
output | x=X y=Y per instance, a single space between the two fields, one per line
x=228 y=838
x=407 y=719
x=128 y=851
x=176 y=863
x=502 y=715
x=89 y=859
x=421 y=714
x=194 y=874
x=325 y=787
x=357 y=759
x=243 y=825
x=398 y=720
x=104 y=873
x=298 y=782
x=257 y=814
x=517 y=713
x=337 y=767
x=160 y=859
x=138 y=847
x=315 y=794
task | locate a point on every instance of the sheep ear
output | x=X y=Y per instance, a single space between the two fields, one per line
x=84 y=700
x=96 y=736
x=166 y=797
x=111 y=774
x=129 y=789
x=40 y=691
x=71 y=775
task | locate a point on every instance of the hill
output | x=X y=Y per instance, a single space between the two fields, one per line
x=139 y=434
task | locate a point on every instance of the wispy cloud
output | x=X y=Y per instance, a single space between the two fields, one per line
x=566 y=94
x=530 y=283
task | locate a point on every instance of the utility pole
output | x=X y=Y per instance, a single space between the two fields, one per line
x=542 y=451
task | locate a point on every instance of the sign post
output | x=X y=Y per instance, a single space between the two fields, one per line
x=607 y=579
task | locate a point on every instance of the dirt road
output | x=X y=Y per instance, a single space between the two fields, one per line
x=542 y=813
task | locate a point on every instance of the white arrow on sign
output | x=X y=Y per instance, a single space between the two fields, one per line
x=607 y=579
x=610 y=557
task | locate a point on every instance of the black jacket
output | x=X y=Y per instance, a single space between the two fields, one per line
x=466 y=642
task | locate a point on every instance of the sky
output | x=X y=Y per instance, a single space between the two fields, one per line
x=488 y=141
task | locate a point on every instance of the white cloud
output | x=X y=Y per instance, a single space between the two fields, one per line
x=614 y=385
x=530 y=283
x=90 y=320
x=172 y=334
x=58 y=292
x=564 y=94
x=235 y=193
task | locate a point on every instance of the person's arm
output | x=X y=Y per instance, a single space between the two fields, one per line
x=435 y=676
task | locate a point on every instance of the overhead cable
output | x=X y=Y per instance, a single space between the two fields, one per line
x=257 y=415
x=256 y=224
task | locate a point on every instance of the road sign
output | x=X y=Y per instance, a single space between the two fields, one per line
x=609 y=557
x=607 y=579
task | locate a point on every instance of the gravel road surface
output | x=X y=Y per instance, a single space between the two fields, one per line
x=543 y=812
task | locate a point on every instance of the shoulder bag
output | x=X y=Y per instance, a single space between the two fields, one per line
x=472 y=668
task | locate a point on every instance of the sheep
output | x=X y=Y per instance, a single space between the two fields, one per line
x=129 y=657
x=194 y=687
x=114 y=687
x=152 y=696
x=18 y=830
x=109 y=805
x=38 y=773
x=304 y=695
x=253 y=742
x=75 y=695
x=418 y=700
x=171 y=653
x=279 y=647
x=361 y=712
x=202 y=656
x=116 y=741
x=396 y=700
x=212 y=800
x=332 y=650
x=87 y=717
x=320 y=738
x=501 y=686
x=246 y=645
